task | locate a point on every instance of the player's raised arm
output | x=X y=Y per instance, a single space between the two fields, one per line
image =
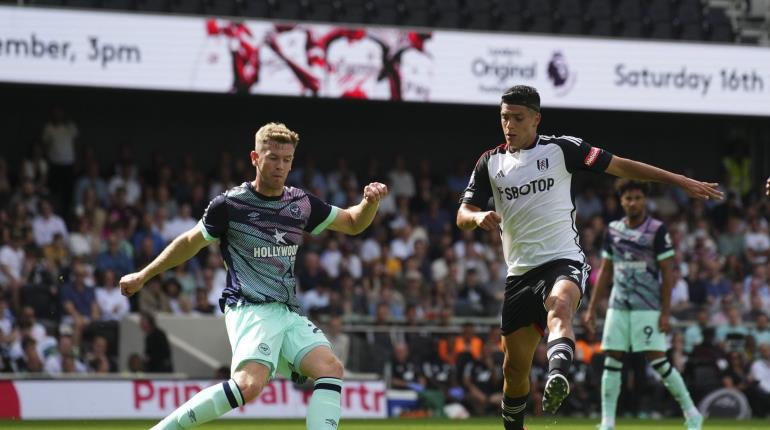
x=355 y=219
x=626 y=168
x=470 y=217
x=177 y=252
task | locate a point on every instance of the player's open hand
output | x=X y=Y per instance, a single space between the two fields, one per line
x=488 y=220
x=375 y=192
x=131 y=283
x=701 y=190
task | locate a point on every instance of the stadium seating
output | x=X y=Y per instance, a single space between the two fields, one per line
x=693 y=20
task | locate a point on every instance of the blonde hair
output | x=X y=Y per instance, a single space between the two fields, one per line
x=276 y=132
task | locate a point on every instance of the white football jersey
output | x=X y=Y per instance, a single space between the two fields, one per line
x=532 y=193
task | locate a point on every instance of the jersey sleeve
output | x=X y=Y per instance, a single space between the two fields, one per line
x=321 y=215
x=479 y=189
x=663 y=247
x=579 y=155
x=607 y=245
x=214 y=222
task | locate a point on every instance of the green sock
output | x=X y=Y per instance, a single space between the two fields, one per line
x=323 y=412
x=610 y=390
x=673 y=381
x=210 y=403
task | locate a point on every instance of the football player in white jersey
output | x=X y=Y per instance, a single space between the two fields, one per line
x=529 y=178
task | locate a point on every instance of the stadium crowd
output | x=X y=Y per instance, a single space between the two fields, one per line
x=72 y=225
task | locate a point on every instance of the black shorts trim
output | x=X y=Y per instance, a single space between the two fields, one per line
x=525 y=295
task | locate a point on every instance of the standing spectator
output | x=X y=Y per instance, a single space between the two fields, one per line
x=47 y=224
x=59 y=135
x=113 y=306
x=79 y=303
x=157 y=350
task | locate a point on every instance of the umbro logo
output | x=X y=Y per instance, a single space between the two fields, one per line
x=253 y=216
x=331 y=422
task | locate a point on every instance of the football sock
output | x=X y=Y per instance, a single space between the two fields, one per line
x=208 y=404
x=324 y=409
x=560 y=353
x=673 y=381
x=513 y=412
x=610 y=390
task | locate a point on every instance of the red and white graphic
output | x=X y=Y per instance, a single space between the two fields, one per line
x=154 y=399
x=593 y=154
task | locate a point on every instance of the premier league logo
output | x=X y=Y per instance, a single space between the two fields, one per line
x=560 y=74
x=542 y=164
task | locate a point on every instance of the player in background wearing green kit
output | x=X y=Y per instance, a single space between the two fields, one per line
x=259 y=227
x=637 y=258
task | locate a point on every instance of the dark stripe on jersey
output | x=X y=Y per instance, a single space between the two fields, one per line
x=644 y=300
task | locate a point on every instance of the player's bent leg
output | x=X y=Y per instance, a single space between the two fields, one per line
x=673 y=381
x=519 y=348
x=325 y=407
x=219 y=399
x=561 y=305
x=611 y=379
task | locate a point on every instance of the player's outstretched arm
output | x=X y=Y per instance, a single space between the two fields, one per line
x=625 y=168
x=355 y=219
x=470 y=217
x=177 y=252
x=603 y=281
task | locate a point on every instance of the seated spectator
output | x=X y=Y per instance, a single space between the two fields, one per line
x=339 y=340
x=157 y=349
x=735 y=376
x=201 y=304
x=31 y=360
x=178 y=302
x=483 y=380
x=152 y=298
x=731 y=241
x=79 y=303
x=56 y=253
x=472 y=299
x=47 y=224
x=147 y=230
x=12 y=268
x=64 y=360
x=760 y=376
x=757 y=242
x=135 y=363
x=180 y=223
x=97 y=358
x=405 y=371
x=450 y=348
x=732 y=335
x=680 y=295
x=113 y=306
x=761 y=330
x=114 y=258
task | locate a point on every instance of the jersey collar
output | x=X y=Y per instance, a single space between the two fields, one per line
x=250 y=186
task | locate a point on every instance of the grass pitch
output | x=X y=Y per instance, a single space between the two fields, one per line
x=403 y=424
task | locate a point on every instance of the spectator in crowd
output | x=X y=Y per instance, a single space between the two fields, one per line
x=761 y=332
x=152 y=298
x=93 y=181
x=59 y=134
x=12 y=276
x=113 y=306
x=157 y=349
x=79 y=303
x=46 y=225
x=450 y=348
x=114 y=258
x=65 y=359
x=760 y=376
x=124 y=180
x=339 y=340
x=178 y=302
x=97 y=358
x=405 y=371
x=757 y=241
x=732 y=335
x=483 y=380
x=31 y=360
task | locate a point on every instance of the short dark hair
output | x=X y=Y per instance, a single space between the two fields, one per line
x=622 y=185
x=523 y=95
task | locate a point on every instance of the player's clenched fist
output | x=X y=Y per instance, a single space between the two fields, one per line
x=488 y=220
x=375 y=192
x=131 y=283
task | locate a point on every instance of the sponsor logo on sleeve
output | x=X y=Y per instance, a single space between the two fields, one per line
x=592 y=156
